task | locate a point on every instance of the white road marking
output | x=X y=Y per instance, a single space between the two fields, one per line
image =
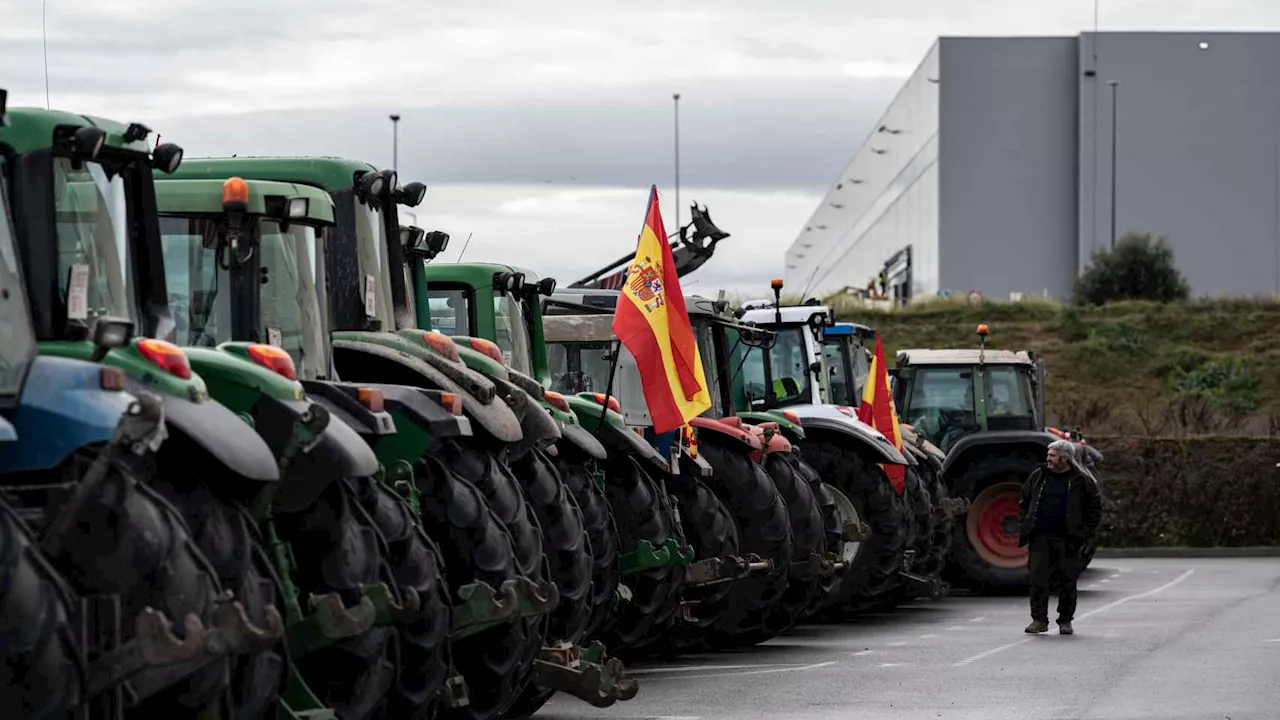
x=1091 y=613
x=957 y=627
x=1105 y=580
x=1113 y=576
x=977 y=619
x=886 y=665
x=900 y=643
x=1276 y=640
x=757 y=672
x=1091 y=587
x=926 y=637
x=860 y=653
x=678 y=717
x=694 y=668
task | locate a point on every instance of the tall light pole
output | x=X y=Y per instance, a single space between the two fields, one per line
x=395 y=143
x=676 y=100
x=1115 y=86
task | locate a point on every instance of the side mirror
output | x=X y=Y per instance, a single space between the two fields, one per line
x=546 y=286
x=166 y=158
x=436 y=240
x=412 y=194
x=411 y=237
x=110 y=333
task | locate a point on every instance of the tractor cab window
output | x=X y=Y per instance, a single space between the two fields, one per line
x=942 y=404
x=93 y=241
x=753 y=376
x=17 y=338
x=579 y=366
x=512 y=332
x=289 y=312
x=789 y=366
x=450 y=311
x=375 y=267
x=836 y=349
x=1008 y=399
x=199 y=293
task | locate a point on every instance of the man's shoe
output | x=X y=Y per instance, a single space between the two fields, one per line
x=1037 y=626
x=1064 y=628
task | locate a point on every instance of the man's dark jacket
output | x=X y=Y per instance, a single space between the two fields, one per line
x=1084 y=505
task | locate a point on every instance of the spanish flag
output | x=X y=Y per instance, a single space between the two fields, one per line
x=651 y=320
x=878 y=411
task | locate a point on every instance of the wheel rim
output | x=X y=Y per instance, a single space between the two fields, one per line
x=992 y=526
x=849 y=549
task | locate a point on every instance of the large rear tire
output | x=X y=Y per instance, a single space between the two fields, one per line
x=643 y=513
x=476 y=548
x=764 y=530
x=711 y=530
x=805 y=580
x=579 y=475
x=878 y=505
x=40 y=672
x=987 y=553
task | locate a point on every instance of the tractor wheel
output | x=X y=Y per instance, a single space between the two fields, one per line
x=337 y=549
x=130 y=541
x=570 y=556
x=643 y=513
x=986 y=543
x=507 y=500
x=764 y=530
x=832 y=531
x=228 y=537
x=602 y=532
x=919 y=537
x=805 y=581
x=943 y=527
x=40 y=672
x=711 y=530
x=415 y=563
x=878 y=505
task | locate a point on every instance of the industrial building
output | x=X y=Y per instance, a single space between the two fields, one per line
x=992 y=170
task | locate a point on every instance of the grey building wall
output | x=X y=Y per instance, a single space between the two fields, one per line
x=1007 y=166
x=886 y=197
x=1198 y=151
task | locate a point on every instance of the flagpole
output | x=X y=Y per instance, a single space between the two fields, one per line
x=608 y=388
x=676 y=99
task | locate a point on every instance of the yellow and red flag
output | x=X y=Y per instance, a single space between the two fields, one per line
x=652 y=321
x=878 y=411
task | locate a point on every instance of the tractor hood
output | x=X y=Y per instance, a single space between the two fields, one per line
x=827 y=417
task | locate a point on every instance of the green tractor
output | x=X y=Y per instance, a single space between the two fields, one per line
x=81 y=194
x=617 y=477
x=344 y=292
x=985 y=410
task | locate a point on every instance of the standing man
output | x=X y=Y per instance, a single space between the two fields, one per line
x=1060 y=511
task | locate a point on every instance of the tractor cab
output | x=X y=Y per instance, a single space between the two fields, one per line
x=794 y=368
x=848 y=361
x=951 y=394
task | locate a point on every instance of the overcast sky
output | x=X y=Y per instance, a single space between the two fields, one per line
x=540 y=125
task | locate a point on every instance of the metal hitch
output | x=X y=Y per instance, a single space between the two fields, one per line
x=931 y=586
x=536 y=598
x=483 y=607
x=586 y=673
x=713 y=571
x=648 y=557
x=952 y=507
x=390 y=612
x=455 y=690
x=330 y=620
x=857 y=531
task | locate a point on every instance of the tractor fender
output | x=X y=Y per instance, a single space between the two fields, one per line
x=339 y=452
x=422 y=407
x=63 y=407
x=536 y=424
x=1030 y=441
x=727 y=429
x=623 y=440
x=768 y=434
x=586 y=443
x=495 y=418
x=223 y=434
x=867 y=441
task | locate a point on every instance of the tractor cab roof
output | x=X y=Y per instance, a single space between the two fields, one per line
x=607 y=301
x=761 y=311
x=844 y=328
x=331 y=173
x=964 y=357
x=466 y=273
x=205 y=196
x=31 y=129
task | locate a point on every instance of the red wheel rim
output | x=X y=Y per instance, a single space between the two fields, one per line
x=992 y=526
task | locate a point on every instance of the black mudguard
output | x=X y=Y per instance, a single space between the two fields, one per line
x=1032 y=441
x=586 y=443
x=873 y=448
x=536 y=424
x=422 y=406
x=624 y=441
x=495 y=418
x=225 y=435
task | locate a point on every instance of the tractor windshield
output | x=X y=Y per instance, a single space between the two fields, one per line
x=17 y=339
x=579 y=366
x=705 y=336
x=779 y=376
x=93 y=241
x=1008 y=398
x=843 y=387
x=941 y=404
x=512 y=332
x=375 y=267
x=289 y=313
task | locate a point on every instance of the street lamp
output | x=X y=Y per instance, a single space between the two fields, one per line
x=395 y=143
x=1115 y=86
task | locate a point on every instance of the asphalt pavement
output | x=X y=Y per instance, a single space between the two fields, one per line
x=1158 y=639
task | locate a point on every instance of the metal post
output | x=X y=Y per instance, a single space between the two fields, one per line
x=395 y=143
x=676 y=99
x=1115 y=85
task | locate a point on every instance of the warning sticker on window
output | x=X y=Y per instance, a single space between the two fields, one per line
x=370 y=295
x=274 y=336
x=78 y=293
